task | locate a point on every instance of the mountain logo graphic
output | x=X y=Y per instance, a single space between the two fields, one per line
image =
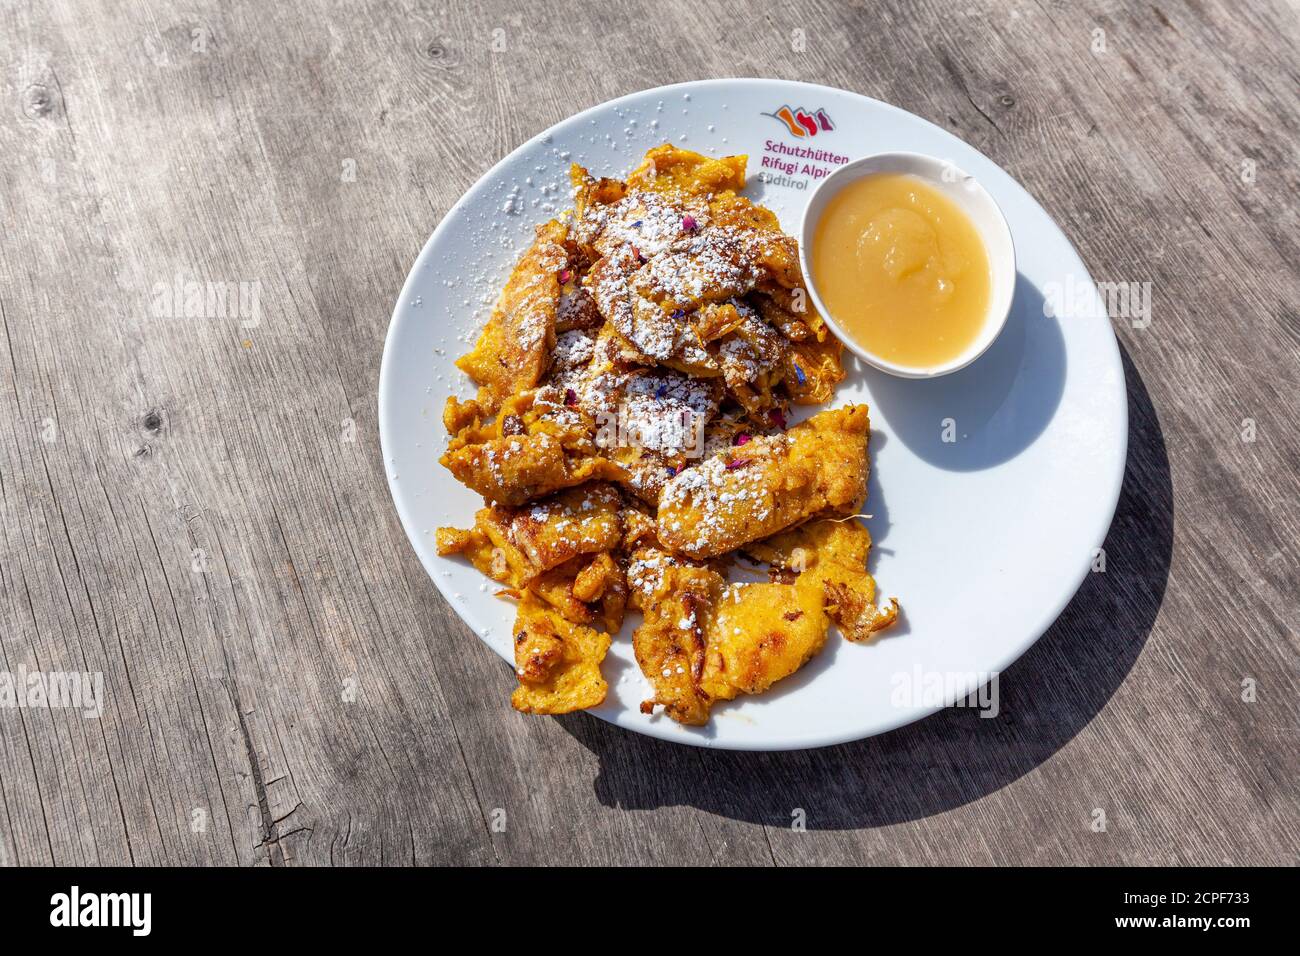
x=802 y=123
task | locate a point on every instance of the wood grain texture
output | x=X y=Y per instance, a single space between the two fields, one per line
x=185 y=509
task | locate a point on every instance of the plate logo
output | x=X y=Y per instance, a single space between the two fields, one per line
x=801 y=122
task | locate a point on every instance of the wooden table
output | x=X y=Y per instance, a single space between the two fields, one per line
x=196 y=507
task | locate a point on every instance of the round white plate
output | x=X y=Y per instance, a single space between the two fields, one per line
x=992 y=488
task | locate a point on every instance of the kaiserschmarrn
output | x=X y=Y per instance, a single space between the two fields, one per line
x=630 y=437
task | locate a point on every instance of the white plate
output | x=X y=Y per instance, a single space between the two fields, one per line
x=984 y=539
